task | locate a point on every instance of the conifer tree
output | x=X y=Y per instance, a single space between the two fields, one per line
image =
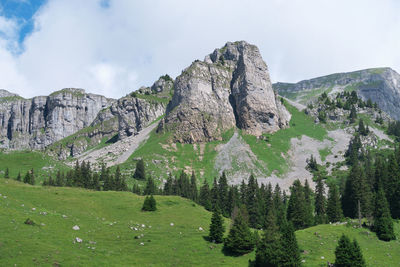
x=334 y=208
x=6 y=173
x=59 y=179
x=136 y=189
x=193 y=188
x=383 y=223
x=233 y=199
x=149 y=204
x=291 y=252
x=205 y=196
x=223 y=194
x=270 y=251
x=296 y=212
x=320 y=202
x=140 y=173
x=32 y=176
x=19 y=177
x=348 y=254
x=353 y=114
x=252 y=203
x=96 y=182
x=214 y=194
x=217 y=228
x=309 y=218
x=356 y=190
x=168 y=186
x=392 y=188
x=361 y=128
x=150 y=188
x=240 y=239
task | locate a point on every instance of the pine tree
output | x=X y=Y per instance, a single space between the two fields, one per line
x=59 y=179
x=117 y=180
x=19 y=177
x=296 y=212
x=353 y=114
x=383 y=223
x=356 y=190
x=6 y=173
x=270 y=251
x=214 y=194
x=361 y=128
x=291 y=252
x=343 y=252
x=252 y=203
x=334 y=208
x=320 y=202
x=205 y=196
x=309 y=217
x=150 y=188
x=217 y=228
x=348 y=254
x=168 y=186
x=140 y=173
x=240 y=239
x=223 y=194
x=193 y=188
x=136 y=189
x=149 y=204
x=392 y=187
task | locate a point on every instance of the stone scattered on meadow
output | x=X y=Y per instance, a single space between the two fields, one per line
x=76 y=227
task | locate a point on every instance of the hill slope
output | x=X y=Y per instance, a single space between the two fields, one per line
x=107 y=222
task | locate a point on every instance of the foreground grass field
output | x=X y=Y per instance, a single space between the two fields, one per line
x=107 y=222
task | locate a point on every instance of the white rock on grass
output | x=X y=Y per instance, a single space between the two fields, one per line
x=142 y=244
x=322 y=257
x=33 y=208
x=172 y=224
x=201 y=229
x=64 y=216
x=78 y=240
x=76 y=228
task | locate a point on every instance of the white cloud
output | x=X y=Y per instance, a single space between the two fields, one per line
x=116 y=49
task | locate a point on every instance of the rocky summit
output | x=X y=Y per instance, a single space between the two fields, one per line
x=231 y=87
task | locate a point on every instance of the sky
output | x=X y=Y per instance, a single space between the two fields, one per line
x=112 y=47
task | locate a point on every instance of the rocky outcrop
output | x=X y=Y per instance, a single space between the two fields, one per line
x=125 y=117
x=381 y=85
x=231 y=87
x=38 y=122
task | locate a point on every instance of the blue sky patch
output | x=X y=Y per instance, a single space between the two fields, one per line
x=22 y=11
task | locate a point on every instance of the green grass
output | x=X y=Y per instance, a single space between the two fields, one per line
x=11 y=98
x=23 y=161
x=279 y=143
x=106 y=218
x=324 y=152
x=175 y=157
x=154 y=98
x=164 y=245
x=323 y=244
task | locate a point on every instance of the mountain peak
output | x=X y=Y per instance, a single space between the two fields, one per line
x=231 y=87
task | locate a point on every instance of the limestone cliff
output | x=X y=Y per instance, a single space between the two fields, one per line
x=38 y=122
x=231 y=87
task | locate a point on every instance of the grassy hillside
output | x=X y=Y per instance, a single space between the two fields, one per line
x=106 y=218
x=22 y=161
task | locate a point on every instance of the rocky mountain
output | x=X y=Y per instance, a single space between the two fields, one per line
x=70 y=120
x=38 y=122
x=231 y=87
x=124 y=117
x=381 y=85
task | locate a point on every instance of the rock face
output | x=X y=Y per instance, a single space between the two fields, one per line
x=38 y=122
x=231 y=87
x=381 y=85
